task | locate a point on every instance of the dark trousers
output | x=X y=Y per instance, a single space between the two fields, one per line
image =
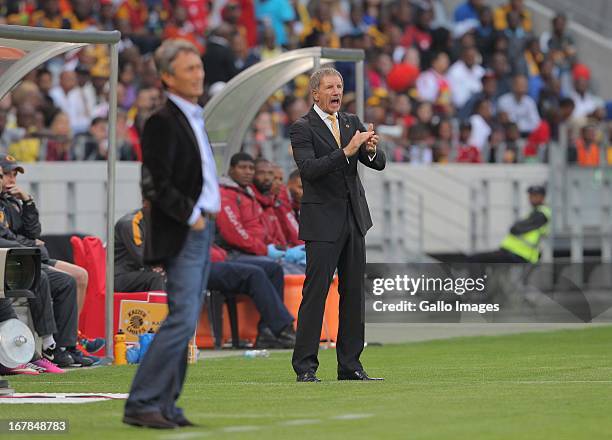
x=161 y=374
x=41 y=308
x=6 y=310
x=252 y=280
x=322 y=258
x=64 y=295
x=272 y=269
x=139 y=281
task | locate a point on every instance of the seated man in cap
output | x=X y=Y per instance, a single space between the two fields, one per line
x=521 y=245
x=19 y=216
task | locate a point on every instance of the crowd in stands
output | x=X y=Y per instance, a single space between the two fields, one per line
x=476 y=85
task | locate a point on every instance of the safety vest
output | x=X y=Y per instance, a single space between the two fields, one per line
x=587 y=155
x=526 y=245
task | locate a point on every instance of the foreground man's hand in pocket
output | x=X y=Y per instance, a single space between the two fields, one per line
x=200 y=224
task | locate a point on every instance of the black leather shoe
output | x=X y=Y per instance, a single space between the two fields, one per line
x=308 y=377
x=266 y=339
x=183 y=422
x=357 y=375
x=149 y=420
x=287 y=337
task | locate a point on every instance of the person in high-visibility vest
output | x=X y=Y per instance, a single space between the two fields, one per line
x=522 y=244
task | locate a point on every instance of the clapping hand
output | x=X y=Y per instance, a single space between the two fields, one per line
x=372 y=141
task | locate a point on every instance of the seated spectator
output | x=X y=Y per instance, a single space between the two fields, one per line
x=419 y=33
x=587 y=149
x=513 y=144
x=587 y=105
x=49 y=16
x=275 y=225
x=433 y=86
x=284 y=209
x=496 y=145
x=485 y=33
x=28 y=148
x=501 y=15
x=8 y=136
x=465 y=77
x=55 y=308
x=467 y=153
x=488 y=92
x=516 y=38
x=278 y=13
x=44 y=81
x=443 y=145
x=481 y=124
x=520 y=107
x=294 y=185
x=468 y=10
x=502 y=70
x=22 y=221
x=561 y=45
x=131 y=275
x=179 y=27
x=59 y=140
x=67 y=96
x=420 y=152
x=548 y=128
x=125 y=146
x=378 y=70
x=242 y=227
x=93 y=144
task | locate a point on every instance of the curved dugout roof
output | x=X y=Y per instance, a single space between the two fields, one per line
x=24 y=48
x=229 y=113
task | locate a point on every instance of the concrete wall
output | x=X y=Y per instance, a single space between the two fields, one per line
x=71 y=197
x=447 y=202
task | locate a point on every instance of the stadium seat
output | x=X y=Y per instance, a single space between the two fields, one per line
x=293 y=297
x=215 y=314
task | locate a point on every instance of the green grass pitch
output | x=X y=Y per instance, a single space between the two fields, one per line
x=554 y=385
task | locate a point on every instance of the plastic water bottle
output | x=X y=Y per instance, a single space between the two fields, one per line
x=133 y=355
x=251 y=354
x=120 y=349
x=144 y=341
x=192 y=352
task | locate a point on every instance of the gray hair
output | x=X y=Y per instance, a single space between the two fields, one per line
x=315 y=78
x=168 y=51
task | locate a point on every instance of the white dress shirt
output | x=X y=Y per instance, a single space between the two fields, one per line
x=464 y=81
x=480 y=132
x=210 y=199
x=524 y=112
x=325 y=117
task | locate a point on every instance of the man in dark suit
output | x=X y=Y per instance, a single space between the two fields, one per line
x=179 y=179
x=334 y=218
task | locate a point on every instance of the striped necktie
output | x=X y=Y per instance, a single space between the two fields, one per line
x=335 y=130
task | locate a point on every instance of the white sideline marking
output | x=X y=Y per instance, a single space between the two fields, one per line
x=241 y=428
x=351 y=416
x=298 y=422
x=51 y=398
x=184 y=435
x=507 y=382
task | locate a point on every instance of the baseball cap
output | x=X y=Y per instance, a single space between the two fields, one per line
x=9 y=163
x=537 y=189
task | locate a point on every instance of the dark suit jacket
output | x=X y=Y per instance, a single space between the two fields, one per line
x=330 y=181
x=171 y=181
